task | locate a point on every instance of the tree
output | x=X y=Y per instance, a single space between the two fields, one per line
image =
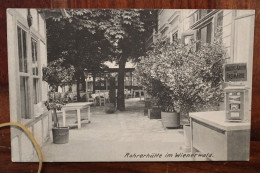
x=78 y=40
x=89 y=37
x=56 y=74
x=125 y=31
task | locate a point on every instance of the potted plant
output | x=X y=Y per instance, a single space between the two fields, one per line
x=188 y=79
x=54 y=103
x=57 y=73
x=153 y=70
x=111 y=106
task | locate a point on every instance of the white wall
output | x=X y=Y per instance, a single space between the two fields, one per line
x=22 y=148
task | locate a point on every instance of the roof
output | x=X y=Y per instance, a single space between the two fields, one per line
x=115 y=65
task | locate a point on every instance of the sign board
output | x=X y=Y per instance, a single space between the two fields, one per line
x=235 y=72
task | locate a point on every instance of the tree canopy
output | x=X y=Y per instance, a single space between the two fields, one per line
x=88 y=37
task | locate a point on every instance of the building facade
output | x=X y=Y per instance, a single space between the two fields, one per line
x=236 y=28
x=27 y=54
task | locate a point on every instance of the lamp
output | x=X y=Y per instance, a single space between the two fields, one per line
x=29 y=18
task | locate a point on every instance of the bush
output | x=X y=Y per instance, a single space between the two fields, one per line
x=110 y=108
x=181 y=78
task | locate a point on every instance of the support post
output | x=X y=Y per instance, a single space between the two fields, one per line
x=86 y=80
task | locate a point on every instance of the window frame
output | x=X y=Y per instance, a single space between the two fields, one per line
x=206 y=25
x=174 y=35
x=29 y=74
x=24 y=74
x=38 y=75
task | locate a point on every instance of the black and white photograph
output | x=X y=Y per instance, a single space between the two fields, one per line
x=130 y=85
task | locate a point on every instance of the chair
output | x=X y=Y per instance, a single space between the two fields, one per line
x=91 y=99
x=106 y=96
x=132 y=93
x=75 y=99
x=126 y=92
x=101 y=98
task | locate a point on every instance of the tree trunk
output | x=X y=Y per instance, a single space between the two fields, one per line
x=78 y=91
x=121 y=85
x=55 y=117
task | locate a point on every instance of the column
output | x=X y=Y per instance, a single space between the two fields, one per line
x=86 y=80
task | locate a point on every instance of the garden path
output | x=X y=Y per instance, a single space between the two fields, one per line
x=109 y=137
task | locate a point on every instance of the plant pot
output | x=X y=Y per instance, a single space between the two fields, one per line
x=187 y=138
x=60 y=135
x=170 y=119
x=155 y=113
x=110 y=108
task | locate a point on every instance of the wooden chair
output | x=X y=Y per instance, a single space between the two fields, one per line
x=101 y=98
x=132 y=93
x=91 y=99
x=126 y=93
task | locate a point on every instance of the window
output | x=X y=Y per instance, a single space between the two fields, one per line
x=22 y=50
x=34 y=57
x=203 y=13
x=24 y=98
x=36 y=98
x=23 y=73
x=199 y=14
x=35 y=71
x=188 y=39
x=219 y=23
x=220 y=19
x=204 y=34
x=175 y=36
x=29 y=76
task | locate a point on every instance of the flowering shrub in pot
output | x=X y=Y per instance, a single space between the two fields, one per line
x=55 y=74
x=183 y=78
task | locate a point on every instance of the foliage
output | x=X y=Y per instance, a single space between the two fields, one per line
x=57 y=74
x=55 y=102
x=181 y=78
x=77 y=39
x=126 y=32
x=88 y=37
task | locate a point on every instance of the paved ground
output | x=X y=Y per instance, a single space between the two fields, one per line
x=109 y=137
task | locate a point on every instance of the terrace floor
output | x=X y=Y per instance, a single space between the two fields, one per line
x=109 y=137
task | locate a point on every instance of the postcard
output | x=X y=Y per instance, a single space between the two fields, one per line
x=123 y=85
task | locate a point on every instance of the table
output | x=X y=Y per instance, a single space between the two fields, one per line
x=138 y=91
x=76 y=106
x=210 y=133
x=102 y=96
